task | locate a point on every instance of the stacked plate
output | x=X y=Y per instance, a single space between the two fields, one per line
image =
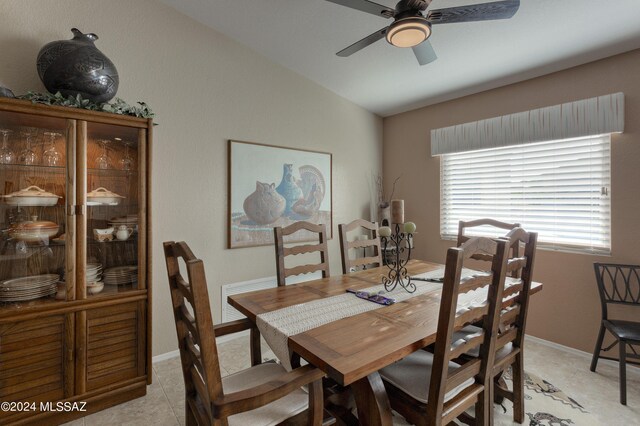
x=121 y=275
x=130 y=221
x=93 y=272
x=27 y=288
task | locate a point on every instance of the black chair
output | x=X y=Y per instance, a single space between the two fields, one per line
x=618 y=284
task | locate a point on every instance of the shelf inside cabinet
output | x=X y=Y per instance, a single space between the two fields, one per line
x=27 y=304
x=113 y=173
x=114 y=241
x=21 y=168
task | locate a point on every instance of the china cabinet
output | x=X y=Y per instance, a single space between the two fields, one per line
x=75 y=269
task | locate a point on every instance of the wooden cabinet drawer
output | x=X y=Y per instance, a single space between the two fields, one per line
x=114 y=344
x=35 y=361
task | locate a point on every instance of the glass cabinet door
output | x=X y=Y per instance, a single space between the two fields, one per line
x=36 y=264
x=115 y=214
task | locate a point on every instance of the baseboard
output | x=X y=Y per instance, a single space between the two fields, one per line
x=234 y=336
x=165 y=356
x=634 y=370
x=174 y=354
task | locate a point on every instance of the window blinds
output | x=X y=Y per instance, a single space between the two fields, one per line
x=559 y=189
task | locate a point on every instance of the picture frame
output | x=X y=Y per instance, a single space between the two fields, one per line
x=271 y=186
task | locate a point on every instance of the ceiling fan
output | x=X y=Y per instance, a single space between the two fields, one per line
x=411 y=28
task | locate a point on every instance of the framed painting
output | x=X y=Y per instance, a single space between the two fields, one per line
x=273 y=186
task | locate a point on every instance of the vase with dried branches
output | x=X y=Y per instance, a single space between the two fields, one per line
x=384 y=203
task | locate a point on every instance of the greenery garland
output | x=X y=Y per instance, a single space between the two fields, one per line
x=118 y=106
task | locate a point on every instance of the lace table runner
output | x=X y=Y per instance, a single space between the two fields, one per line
x=277 y=326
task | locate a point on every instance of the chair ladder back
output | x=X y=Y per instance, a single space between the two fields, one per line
x=446 y=317
x=491 y=320
x=196 y=340
x=451 y=319
x=346 y=245
x=463 y=225
x=522 y=287
x=282 y=252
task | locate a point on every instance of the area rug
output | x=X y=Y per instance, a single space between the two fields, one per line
x=545 y=405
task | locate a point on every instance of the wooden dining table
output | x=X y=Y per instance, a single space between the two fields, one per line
x=352 y=350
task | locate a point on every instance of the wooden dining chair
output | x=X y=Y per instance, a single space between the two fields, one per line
x=513 y=319
x=430 y=388
x=281 y=251
x=618 y=285
x=371 y=242
x=262 y=394
x=487 y=224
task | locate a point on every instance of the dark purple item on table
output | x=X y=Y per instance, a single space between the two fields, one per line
x=373 y=297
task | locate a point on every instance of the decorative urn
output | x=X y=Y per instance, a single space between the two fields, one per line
x=264 y=205
x=289 y=188
x=76 y=67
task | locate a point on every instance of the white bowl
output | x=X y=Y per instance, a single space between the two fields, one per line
x=105 y=231
x=95 y=287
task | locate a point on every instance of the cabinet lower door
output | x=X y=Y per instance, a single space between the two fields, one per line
x=114 y=345
x=36 y=363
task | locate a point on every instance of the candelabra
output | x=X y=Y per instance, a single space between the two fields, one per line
x=400 y=245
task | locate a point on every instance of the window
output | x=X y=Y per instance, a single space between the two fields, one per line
x=559 y=189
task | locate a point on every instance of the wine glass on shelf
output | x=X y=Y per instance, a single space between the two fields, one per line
x=27 y=156
x=51 y=157
x=102 y=161
x=6 y=155
x=126 y=162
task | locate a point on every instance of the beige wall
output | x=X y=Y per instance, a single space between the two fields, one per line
x=205 y=89
x=568 y=309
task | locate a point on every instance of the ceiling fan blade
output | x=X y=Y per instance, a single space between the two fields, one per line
x=476 y=12
x=366 y=6
x=361 y=44
x=424 y=53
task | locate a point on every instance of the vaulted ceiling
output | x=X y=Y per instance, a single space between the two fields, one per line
x=304 y=35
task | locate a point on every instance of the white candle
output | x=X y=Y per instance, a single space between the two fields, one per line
x=397 y=211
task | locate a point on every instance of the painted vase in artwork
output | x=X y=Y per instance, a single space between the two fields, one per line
x=313 y=190
x=77 y=67
x=289 y=188
x=264 y=205
x=309 y=205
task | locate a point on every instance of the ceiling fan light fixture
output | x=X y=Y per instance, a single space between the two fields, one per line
x=408 y=32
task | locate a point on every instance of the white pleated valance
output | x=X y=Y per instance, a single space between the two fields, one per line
x=587 y=117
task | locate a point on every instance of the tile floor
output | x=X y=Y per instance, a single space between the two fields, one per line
x=597 y=392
